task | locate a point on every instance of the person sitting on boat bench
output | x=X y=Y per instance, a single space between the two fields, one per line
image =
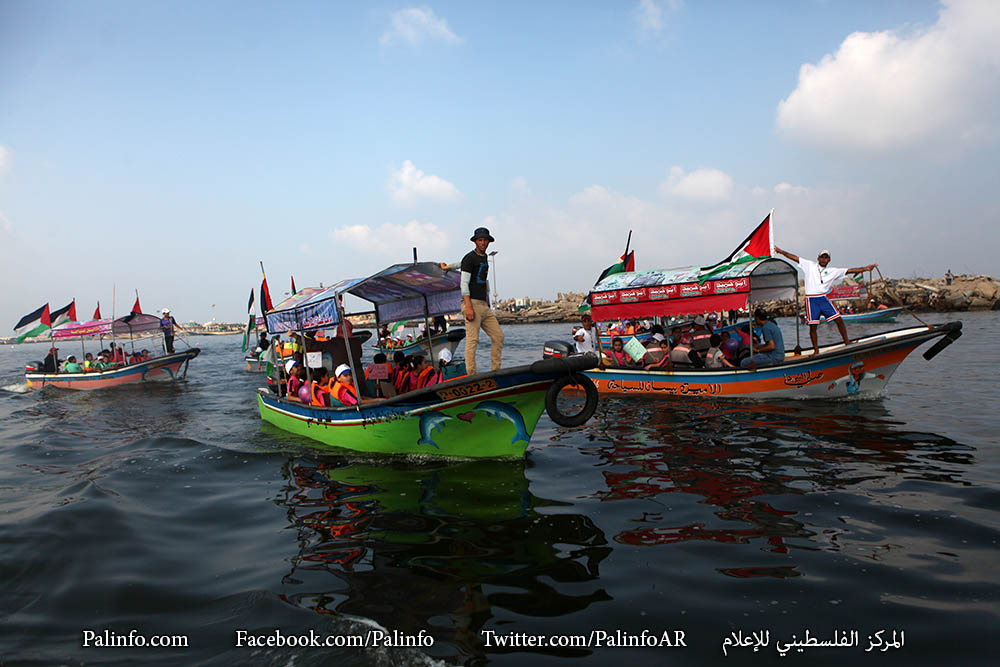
x=318 y=394
x=51 y=362
x=424 y=374
x=819 y=278
x=296 y=378
x=772 y=350
x=71 y=365
x=619 y=357
x=342 y=390
x=715 y=357
x=664 y=364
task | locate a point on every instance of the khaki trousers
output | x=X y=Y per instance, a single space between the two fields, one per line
x=487 y=321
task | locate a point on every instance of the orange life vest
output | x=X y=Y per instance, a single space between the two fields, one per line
x=341 y=391
x=317 y=392
x=402 y=380
x=427 y=377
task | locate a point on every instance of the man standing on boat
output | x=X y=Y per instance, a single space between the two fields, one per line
x=819 y=278
x=167 y=324
x=476 y=303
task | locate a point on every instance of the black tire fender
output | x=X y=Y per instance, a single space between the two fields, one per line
x=552 y=408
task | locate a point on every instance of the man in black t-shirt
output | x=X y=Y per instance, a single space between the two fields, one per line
x=476 y=303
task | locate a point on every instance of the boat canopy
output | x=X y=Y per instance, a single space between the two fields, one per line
x=400 y=292
x=122 y=326
x=683 y=290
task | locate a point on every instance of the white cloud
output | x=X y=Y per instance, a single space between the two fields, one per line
x=5 y=224
x=6 y=158
x=788 y=188
x=702 y=184
x=888 y=90
x=387 y=239
x=648 y=15
x=409 y=184
x=415 y=25
x=520 y=187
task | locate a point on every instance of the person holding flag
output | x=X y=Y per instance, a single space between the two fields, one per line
x=819 y=278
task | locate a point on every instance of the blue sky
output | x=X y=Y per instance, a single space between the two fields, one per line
x=169 y=147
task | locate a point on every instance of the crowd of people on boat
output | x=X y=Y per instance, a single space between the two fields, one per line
x=110 y=358
x=709 y=340
x=382 y=379
x=390 y=339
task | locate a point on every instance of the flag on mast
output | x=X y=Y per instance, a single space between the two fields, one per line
x=65 y=314
x=33 y=323
x=625 y=264
x=758 y=245
x=251 y=321
x=265 y=294
x=97 y=313
x=136 y=308
x=293 y=284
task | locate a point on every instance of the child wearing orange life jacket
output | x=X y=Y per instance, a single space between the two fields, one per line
x=402 y=374
x=424 y=374
x=318 y=393
x=342 y=390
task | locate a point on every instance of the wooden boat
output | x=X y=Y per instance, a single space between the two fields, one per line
x=884 y=315
x=165 y=367
x=861 y=368
x=484 y=415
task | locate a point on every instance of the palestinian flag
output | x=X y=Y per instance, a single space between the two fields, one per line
x=65 y=314
x=759 y=245
x=293 y=284
x=251 y=321
x=33 y=324
x=97 y=313
x=136 y=308
x=265 y=294
x=626 y=264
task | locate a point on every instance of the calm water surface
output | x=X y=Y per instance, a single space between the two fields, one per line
x=171 y=510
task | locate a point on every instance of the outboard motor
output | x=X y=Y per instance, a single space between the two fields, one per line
x=557 y=349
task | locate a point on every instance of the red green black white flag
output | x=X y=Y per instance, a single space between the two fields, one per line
x=33 y=324
x=759 y=245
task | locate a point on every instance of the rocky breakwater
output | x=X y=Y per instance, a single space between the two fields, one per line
x=966 y=292
x=562 y=309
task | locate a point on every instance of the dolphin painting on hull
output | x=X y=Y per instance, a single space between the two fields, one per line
x=431 y=421
x=504 y=411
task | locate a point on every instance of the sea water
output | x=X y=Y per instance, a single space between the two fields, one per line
x=661 y=532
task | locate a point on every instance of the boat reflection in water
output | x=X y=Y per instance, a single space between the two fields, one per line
x=411 y=546
x=765 y=471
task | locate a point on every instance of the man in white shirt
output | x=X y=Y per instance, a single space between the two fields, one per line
x=585 y=336
x=819 y=278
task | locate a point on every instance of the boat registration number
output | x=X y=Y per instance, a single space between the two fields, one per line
x=470 y=389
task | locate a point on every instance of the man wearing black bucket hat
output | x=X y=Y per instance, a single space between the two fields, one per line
x=476 y=303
